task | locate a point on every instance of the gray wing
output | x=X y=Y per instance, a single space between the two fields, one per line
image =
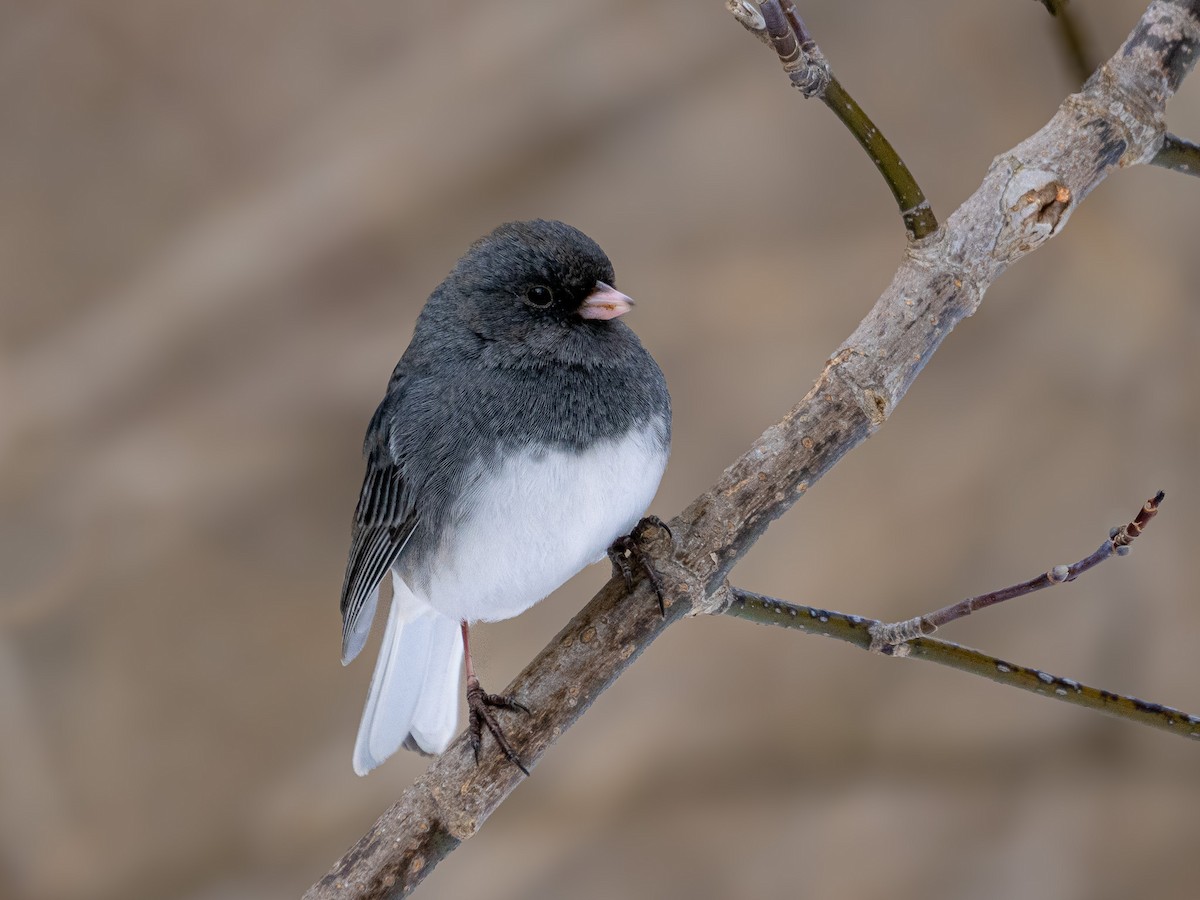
x=383 y=522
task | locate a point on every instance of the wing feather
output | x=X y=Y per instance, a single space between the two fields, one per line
x=383 y=523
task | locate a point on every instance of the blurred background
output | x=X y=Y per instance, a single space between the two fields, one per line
x=218 y=221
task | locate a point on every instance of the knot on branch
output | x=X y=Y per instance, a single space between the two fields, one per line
x=1047 y=204
x=853 y=368
x=890 y=638
x=1038 y=205
x=715 y=603
x=811 y=77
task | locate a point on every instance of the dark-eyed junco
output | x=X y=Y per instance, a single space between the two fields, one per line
x=524 y=429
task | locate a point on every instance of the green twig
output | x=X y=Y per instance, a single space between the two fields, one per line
x=918 y=216
x=778 y=24
x=857 y=630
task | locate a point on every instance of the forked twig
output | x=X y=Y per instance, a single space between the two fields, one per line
x=889 y=635
x=859 y=631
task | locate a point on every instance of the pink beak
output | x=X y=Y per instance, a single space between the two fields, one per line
x=605 y=302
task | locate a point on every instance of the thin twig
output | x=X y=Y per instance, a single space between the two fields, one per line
x=857 y=630
x=778 y=24
x=1178 y=155
x=1116 y=544
x=1079 y=56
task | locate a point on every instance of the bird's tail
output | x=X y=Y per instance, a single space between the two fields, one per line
x=413 y=699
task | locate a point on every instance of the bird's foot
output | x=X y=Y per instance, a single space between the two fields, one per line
x=628 y=554
x=480 y=705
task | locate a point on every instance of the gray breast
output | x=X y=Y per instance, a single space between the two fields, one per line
x=455 y=430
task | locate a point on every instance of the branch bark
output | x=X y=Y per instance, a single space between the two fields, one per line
x=1176 y=154
x=1026 y=198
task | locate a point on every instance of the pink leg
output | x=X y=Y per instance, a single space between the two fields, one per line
x=479 y=708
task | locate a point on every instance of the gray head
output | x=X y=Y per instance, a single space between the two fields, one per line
x=529 y=292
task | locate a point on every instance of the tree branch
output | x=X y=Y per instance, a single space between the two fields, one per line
x=859 y=631
x=777 y=23
x=1025 y=198
x=1117 y=544
x=1175 y=153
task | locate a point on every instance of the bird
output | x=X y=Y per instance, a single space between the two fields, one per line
x=524 y=430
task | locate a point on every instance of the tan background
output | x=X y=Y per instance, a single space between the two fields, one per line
x=218 y=221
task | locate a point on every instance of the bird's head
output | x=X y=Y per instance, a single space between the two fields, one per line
x=536 y=287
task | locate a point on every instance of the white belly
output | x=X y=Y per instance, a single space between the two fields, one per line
x=537 y=521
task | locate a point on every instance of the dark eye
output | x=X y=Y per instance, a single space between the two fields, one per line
x=539 y=296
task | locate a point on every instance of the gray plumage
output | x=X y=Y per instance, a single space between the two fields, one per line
x=497 y=370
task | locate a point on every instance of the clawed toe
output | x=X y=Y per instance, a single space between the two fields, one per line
x=627 y=555
x=621 y=555
x=649 y=523
x=480 y=705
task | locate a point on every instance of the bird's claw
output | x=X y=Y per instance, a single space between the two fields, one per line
x=627 y=555
x=479 y=706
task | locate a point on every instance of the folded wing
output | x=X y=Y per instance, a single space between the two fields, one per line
x=383 y=523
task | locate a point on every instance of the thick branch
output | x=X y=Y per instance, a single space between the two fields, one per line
x=1175 y=154
x=858 y=631
x=1025 y=199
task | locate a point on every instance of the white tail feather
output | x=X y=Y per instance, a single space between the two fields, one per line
x=415 y=688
